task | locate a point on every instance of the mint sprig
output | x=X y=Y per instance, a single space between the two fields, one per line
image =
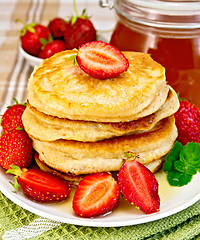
x=182 y=163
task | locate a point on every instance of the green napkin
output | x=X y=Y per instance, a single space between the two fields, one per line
x=17 y=223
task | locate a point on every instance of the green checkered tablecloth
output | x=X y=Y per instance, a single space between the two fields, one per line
x=17 y=223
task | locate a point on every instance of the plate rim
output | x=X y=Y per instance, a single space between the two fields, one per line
x=95 y=222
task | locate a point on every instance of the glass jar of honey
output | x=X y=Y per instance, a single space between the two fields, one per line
x=167 y=30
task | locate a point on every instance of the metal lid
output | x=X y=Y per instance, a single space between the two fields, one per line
x=158 y=13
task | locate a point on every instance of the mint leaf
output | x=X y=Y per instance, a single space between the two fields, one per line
x=182 y=163
x=191 y=154
x=186 y=168
x=178 y=179
x=172 y=157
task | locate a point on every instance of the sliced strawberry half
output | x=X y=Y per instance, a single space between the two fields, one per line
x=101 y=60
x=139 y=186
x=96 y=194
x=39 y=185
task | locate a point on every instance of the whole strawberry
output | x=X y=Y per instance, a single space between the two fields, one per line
x=57 y=27
x=12 y=117
x=39 y=185
x=31 y=36
x=51 y=48
x=79 y=30
x=15 y=149
x=188 y=122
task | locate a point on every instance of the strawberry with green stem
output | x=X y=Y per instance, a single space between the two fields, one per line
x=12 y=117
x=51 y=47
x=39 y=185
x=79 y=30
x=31 y=35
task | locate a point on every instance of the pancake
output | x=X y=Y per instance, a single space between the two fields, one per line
x=72 y=179
x=80 y=125
x=75 y=179
x=58 y=88
x=74 y=157
x=49 y=128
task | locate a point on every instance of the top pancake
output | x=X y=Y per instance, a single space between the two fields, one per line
x=58 y=88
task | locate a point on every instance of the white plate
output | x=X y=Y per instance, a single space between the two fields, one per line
x=173 y=200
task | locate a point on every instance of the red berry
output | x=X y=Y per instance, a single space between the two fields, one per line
x=12 y=117
x=31 y=44
x=188 y=122
x=139 y=186
x=15 y=149
x=42 y=31
x=41 y=186
x=57 y=27
x=51 y=48
x=31 y=36
x=101 y=60
x=96 y=194
x=80 y=32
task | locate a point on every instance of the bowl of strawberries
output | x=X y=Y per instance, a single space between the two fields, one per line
x=38 y=42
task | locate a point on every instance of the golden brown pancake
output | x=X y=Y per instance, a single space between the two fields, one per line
x=81 y=125
x=49 y=128
x=75 y=179
x=74 y=157
x=58 y=88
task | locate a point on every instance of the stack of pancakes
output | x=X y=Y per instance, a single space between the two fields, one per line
x=81 y=125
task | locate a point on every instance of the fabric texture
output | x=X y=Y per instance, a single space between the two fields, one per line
x=17 y=223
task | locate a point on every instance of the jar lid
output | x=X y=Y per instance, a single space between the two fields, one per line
x=159 y=13
x=172 y=7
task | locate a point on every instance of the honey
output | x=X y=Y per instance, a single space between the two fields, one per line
x=170 y=32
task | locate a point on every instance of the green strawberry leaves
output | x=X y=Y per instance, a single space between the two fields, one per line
x=73 y=19
x=27 y=27
x=15 y=170
x=130 y=156
x=17 y=103
x=182 y=163
x=73 y=59
x=44 y=41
